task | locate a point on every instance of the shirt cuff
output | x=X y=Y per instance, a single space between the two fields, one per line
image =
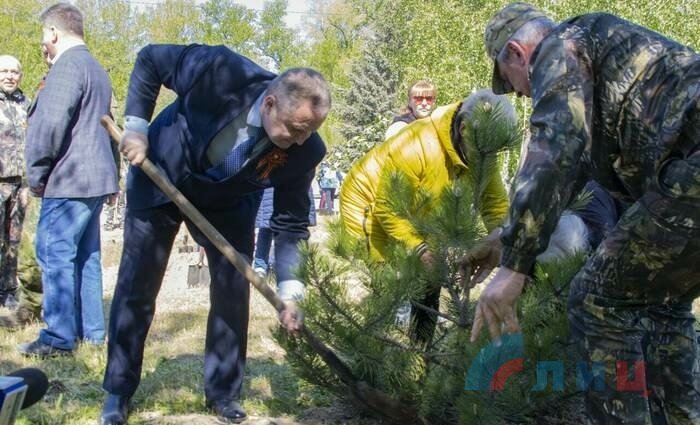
x=420 y=249
x=517 y=261
x=290 y=290
x=134 y=123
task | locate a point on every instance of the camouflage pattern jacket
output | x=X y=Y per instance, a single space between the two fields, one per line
x=13 y=126
x=611 y=101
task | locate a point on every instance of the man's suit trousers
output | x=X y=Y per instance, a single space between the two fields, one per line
x=148 y=239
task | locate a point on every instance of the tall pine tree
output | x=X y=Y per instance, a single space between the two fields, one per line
x=366 y=106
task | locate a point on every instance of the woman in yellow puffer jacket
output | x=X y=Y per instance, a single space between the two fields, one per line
x=426 y=153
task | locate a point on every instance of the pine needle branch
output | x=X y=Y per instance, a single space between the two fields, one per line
x=435 y=312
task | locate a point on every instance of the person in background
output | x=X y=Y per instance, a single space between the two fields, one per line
x=422 y=96
x=329 y=180
x=13 y=193
x=29 y=290
x=263 y=261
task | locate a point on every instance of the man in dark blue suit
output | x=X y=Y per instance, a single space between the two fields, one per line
x=234 y=130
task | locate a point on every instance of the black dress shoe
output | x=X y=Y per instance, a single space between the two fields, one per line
x=39 y=349
x=228 y=411
x=115 y=410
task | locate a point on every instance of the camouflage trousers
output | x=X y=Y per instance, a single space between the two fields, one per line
x=30 y=290
x=630 y=313
x=12 y=217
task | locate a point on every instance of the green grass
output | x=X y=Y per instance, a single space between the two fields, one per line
x=171 y=389
x=171 y=381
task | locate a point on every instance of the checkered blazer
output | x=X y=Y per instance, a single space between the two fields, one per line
x=68 y=152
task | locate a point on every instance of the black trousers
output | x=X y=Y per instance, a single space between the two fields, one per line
x=148 y=238
x=422 y=324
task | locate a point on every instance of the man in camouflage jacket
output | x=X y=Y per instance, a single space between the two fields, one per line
x=30 y=289
x=618 y=103
x=13 y=197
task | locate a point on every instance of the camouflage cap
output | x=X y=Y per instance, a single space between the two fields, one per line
x=499 y=30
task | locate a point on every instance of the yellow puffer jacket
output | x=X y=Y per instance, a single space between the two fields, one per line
x=424 y=153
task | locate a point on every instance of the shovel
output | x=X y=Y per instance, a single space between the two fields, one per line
x=369 y=396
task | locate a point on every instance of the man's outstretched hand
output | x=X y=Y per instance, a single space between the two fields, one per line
x=479 y=262
x=496 y=305
x=292 y=318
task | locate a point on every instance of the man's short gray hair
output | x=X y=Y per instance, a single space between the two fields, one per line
x=65 y=17
x=301 y=84
x=10 y=58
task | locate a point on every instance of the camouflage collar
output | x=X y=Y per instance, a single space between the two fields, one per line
x=16 y=96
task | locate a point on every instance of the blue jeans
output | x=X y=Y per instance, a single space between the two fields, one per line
x=68 y=252
x=262 y=249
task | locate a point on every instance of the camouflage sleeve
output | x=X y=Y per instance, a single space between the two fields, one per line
x=681 y=178
x=21 y=146
x=560 y=128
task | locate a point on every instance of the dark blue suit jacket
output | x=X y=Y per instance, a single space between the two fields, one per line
x=214 y=85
